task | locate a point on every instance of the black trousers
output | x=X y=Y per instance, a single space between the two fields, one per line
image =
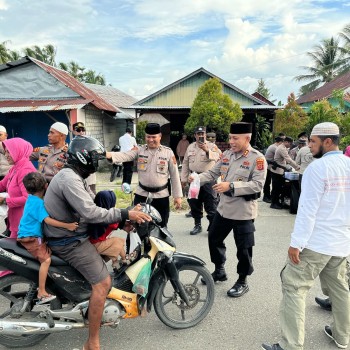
x=243 y=233
x=277 y=193
x=207 y=197
x=127 y=172
x=161 y=204
x=267 y=185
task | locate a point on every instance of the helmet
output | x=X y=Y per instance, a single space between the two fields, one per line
x=85 y=152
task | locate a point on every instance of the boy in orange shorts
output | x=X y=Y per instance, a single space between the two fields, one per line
x=30 y=233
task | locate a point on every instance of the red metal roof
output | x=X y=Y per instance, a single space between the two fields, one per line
x=326 y=90
x=41 y=105
x=76 y=86
x=262 y=98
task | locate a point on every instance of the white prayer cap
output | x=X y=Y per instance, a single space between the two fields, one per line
x=60 y=127
x=325 y=129
x=3 y=129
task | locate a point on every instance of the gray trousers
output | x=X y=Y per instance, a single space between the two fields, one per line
x=296 y=283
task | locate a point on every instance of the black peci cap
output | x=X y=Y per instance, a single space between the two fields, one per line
x=241 y=128
x=152 y=129
x=288 y=139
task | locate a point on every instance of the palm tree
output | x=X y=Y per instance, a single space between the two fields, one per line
x=73 y=69
x=345 y=35
x=4 y=52
x=91 y=77
x=14 y=55
x=47 y=54
x=328 y=61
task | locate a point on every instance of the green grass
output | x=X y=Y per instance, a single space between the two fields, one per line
x=124 y=201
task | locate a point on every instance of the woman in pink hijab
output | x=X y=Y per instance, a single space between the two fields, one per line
x=17 y=152
x=347 y=151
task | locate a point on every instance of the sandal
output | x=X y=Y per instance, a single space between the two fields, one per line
x=46 y=299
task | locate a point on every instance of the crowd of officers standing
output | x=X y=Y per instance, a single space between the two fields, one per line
x=230 y=182
x=282 y=156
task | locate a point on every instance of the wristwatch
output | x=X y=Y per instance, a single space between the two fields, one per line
x=232 y=186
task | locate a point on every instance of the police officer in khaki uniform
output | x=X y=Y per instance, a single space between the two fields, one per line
x=79 y=129
x=281 y=160
x=270 y=158
x=201 y=156
x=243 y=172
x=155 y=164
x=52 y=158
x=211 y=137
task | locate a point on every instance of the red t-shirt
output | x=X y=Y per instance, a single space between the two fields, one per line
x=109 y=229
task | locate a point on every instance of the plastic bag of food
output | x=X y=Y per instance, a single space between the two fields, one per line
x=195 y=186
x=142 y=281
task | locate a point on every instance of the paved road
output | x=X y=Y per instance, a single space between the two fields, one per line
x=235 y=324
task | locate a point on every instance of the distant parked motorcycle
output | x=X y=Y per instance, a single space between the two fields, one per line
x=117 y=168
x=170 y=281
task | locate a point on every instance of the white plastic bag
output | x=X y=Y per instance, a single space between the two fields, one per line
x=135 y=241
x=195 y=186
x=3 y=207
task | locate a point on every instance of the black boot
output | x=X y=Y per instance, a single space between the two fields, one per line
x=324 y=303
x=219 y=274
x=239 y=288
x=197 y=229
x=267 y=199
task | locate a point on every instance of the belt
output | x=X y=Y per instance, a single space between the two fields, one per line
x=153 y=189
x=247 y=197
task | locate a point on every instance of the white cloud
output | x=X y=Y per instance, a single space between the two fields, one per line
x=143 y=45
x=3 y=5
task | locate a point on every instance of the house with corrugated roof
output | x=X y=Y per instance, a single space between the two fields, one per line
x=172 y=104
x=341 y=82
x=34 y=95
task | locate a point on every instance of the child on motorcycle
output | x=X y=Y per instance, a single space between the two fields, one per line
x=30 y=233
x=109 y=247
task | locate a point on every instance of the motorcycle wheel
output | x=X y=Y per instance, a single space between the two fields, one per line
x=173 y=311
x=17 y=287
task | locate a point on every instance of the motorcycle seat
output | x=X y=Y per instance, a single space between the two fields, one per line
x=11 y=244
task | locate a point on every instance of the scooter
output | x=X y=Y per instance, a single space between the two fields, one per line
x=178 y=286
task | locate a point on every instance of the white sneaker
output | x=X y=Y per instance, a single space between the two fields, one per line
x=328 y=332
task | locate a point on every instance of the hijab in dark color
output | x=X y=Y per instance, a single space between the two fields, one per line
x=107 y=200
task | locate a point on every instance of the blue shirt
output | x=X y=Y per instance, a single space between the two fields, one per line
x=34 y=214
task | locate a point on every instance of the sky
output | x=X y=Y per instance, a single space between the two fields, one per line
x=141 y=46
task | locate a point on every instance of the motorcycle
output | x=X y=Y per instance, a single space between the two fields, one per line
x=180 y=289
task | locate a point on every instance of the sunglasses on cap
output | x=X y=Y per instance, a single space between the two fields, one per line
x=80 y=129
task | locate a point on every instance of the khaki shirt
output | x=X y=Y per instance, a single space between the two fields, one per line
x=270 y=154
x=247 y=170
x=304 y=158
x=282 y=158
x=50 y=160
x=154 y=167
x=198 y=160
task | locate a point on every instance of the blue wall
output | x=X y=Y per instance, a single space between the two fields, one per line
x=31 y=126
